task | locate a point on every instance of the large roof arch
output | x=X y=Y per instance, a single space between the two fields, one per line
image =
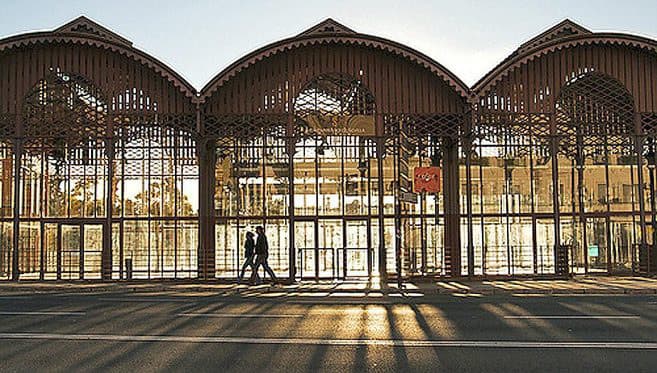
x=83 y=31
x=332 y=32
x=566 y=34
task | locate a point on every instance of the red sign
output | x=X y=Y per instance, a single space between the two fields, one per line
x=426 y=179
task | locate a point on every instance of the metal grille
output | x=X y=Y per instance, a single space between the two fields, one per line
x=64 y=108
x=519 y=132
x=423 y=130
x=649 y=124
x=334 y=94
x=7 y=125
x=331 y=95
x=594 y=111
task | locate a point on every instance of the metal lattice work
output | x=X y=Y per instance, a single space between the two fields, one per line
x=228 y=127
x=334 y=94
x=127 y=126
x=232 y=131
x=596 y=111
x=331 y=95
x=423 y=130
x=7 y=125
x=649 y=124
x=518 y=132
x=64 y=111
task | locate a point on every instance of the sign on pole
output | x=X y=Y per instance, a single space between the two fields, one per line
x=426 y=179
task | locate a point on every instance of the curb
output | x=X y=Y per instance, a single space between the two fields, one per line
x=433 y=290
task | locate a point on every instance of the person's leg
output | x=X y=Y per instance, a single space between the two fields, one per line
x=268 y=269
x=254 y=275
x=247 y=263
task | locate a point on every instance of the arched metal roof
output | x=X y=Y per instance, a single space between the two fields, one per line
x=536 y=48
x=327 y=32
x=83 y=31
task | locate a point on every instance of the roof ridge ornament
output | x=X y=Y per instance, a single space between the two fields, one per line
x=84 y=25
x=561 y=30
x=328 y=26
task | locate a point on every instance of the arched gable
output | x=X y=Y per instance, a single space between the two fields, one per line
x=402 y=80
x=530 y=79
x=106 y=59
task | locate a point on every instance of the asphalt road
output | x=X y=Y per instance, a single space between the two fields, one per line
x=237 y=333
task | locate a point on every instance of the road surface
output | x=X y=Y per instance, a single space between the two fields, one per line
x=240 y=333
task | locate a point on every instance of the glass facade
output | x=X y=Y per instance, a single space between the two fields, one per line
x=112 y=167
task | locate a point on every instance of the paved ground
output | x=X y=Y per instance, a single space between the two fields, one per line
x=325 y=327
x=576 y=285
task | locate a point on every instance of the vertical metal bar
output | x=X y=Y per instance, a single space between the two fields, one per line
x=317 y=195
x=291 y=145
x=532 y=197
x=344 y=248
x=81 y=249
x=607 y=202
x=106 y=257
x=653 y=211
x=423 y=238
x=582 y=216
x=467 y=145
x=42 y=261
x=59 y=251
x=369 y=213
x=398 y=212
x=18 y=154
x=554 y=148
x=638 y=151
x=43 y=205
x=380 y=145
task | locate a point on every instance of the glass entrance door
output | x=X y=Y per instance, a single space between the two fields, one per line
x=70 y=241
x=355 y=259
x=80 y=249
x=596 y=244
x=622 y=240
x=92 y=251
x=333 y=248
x=305 y=242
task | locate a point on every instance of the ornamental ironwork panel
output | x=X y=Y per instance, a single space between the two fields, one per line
x=64 y=107
x=334 y=104
x=7 y=125
x=649 y=124
x=65 y=116
x=423 y=130
x=129 y=125
x=228 y=127
x=334 y=94
x=519 y=133
x=594 y=111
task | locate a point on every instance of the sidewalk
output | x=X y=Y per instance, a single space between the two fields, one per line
x=578 y=285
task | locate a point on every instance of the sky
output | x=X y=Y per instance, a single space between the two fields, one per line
x=199 y=38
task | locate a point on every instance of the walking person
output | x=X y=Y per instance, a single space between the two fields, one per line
x=262 y=255
x=249 y=255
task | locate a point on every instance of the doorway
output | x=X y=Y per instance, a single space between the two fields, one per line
x=330 y=248
x=74 y=250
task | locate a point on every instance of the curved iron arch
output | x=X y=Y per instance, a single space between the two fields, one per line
x=515 y=60
x=345 y=39
x=137 y=55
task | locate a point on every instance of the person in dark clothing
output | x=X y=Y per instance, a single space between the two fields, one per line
x=249 y=255
x=262 y=254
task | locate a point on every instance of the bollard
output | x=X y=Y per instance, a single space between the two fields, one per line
x=128 y=269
